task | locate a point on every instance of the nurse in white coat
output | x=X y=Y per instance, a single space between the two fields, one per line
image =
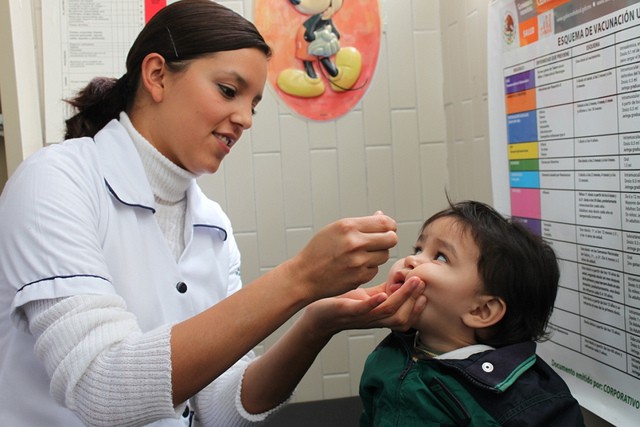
x=120 y=294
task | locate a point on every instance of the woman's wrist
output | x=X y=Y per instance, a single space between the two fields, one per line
x=316 y=330
x=297 y=285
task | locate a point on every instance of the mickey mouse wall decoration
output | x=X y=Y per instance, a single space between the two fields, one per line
x=325 y=52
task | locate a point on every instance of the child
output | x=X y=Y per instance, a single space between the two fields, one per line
x=490 y=288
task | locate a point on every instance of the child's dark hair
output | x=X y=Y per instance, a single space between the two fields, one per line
x=515 y=265
x=180 y=32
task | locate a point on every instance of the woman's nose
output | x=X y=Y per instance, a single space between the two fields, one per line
x=243 y=117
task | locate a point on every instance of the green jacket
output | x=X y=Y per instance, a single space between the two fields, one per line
x=508 y=386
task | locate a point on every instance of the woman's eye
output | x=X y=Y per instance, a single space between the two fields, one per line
x=440 y=257
x=227 y=91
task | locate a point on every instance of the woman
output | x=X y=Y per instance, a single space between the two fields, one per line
x=121 y=298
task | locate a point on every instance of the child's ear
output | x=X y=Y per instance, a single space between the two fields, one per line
x=488 y=311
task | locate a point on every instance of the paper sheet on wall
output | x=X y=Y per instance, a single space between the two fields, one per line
x=82 y=39
x=564 y=96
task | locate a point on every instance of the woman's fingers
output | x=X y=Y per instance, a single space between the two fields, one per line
x=346 y=254
x=403 y=307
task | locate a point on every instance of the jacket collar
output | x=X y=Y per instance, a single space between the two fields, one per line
x=495 y=370
x=123 y=172
x=126 y=180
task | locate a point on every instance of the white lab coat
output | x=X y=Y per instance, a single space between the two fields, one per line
x=77 y=218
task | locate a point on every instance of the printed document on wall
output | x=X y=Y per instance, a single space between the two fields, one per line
x=83 y=39
x=564 y=96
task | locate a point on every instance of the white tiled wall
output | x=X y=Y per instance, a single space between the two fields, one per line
x=395 y=152
x=464 y=44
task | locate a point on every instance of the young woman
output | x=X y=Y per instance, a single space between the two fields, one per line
x=121 y=301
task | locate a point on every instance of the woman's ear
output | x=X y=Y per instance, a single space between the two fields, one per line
x=488 y=311
x=152 y=75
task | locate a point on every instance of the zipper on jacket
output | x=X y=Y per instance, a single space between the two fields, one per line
x=454 y=407
x=410 y=362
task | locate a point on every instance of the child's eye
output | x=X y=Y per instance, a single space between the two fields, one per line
x=417 y=250
x=227 y=91
x=440 y=257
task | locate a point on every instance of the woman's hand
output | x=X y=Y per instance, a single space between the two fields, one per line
x=270 y=379
x=365 y=308
x=343 y=255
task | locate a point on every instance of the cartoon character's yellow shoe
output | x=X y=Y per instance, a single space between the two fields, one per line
x=298 y=83
x=349 y=64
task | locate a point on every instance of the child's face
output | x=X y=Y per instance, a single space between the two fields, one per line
x=446 y=259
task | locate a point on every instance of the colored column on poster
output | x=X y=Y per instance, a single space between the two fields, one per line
x=522 y=127
x=151 y=7
x=520 y=82
x=524 y=150
x=524 y=165
x=524 y=179
x=525 y=203
x=534 y=225
x=521 y=101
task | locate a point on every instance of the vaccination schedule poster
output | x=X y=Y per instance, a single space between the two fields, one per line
x=82 y=39
x=564 y=97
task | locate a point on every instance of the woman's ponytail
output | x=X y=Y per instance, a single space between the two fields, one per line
x=97 y=104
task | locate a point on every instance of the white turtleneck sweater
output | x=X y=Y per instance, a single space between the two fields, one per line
x=122 y=376
x=169 y=184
